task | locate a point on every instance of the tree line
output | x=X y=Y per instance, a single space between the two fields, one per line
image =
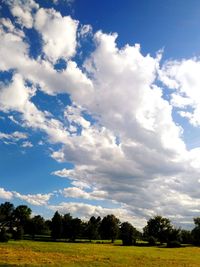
x=17 y=223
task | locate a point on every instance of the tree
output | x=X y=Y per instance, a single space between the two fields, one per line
x=196 y=231
x=6 y=214
x=36 y=226
x=67 y=225
x=174 y=237
x=56 y=226
x=3 y=235
x=92 y=228
x=109 y=228
x=158 y=228
x=22 y=214
x=18 y=233
x=76 y=228
x=128 y=234
x=186 y=236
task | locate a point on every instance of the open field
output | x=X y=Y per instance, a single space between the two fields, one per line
x=31 y=253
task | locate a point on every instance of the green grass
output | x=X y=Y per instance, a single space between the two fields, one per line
x=32 y=253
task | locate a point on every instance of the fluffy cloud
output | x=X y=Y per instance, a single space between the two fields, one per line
x=23 y=11
x=15 y=95
x=40 y=72
x=58 y=33
x=135 y=150
x=183 y=78
x=76 y=192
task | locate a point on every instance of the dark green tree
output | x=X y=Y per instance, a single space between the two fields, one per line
x=92 y=228
x=36 y=226
x=196 y=231
x=56 y=226
x=22 y=215
x=128 y=234
x=174 y=237
x=158 y=228
x=18 y=233
x=6 y=214
x=186 y=236
x=4 y=237
x=109 y=227
x=76 y=229
x=67 y=225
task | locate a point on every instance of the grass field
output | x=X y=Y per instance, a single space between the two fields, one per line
x=32 y=253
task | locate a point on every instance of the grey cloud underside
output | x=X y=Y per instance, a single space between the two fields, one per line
x=149 y=170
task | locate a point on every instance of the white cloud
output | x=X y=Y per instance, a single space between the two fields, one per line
x=85 y=211
x=27 y=144
x=15 y=136
x=40 y=72
x=76 y=192
x=5 y=194
x=80 y=184
x=68 y=2
x=15 y=95
x=183 y=77
x=58 y=33
x=37 y=199
x=86 y=30
x=141 y=171
x=23 y=11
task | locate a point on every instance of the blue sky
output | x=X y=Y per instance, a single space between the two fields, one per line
x=100 y=108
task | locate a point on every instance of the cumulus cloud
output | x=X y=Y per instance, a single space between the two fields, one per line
x=135 y=144
x=40 y=72
x=58 y=33
x=23 y=11
x=183 y=77
x=15 y=95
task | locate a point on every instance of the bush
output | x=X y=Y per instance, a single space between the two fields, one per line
x=4 y=237
x=174 y=244
x=152 y=241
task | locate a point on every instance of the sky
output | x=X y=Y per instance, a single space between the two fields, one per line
x=100 y=108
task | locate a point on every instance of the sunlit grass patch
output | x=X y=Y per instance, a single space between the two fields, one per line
x=30 y=253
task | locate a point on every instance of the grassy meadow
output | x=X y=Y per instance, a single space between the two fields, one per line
x=32 y=253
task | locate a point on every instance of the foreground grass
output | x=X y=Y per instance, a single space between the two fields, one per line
x=30 y=253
